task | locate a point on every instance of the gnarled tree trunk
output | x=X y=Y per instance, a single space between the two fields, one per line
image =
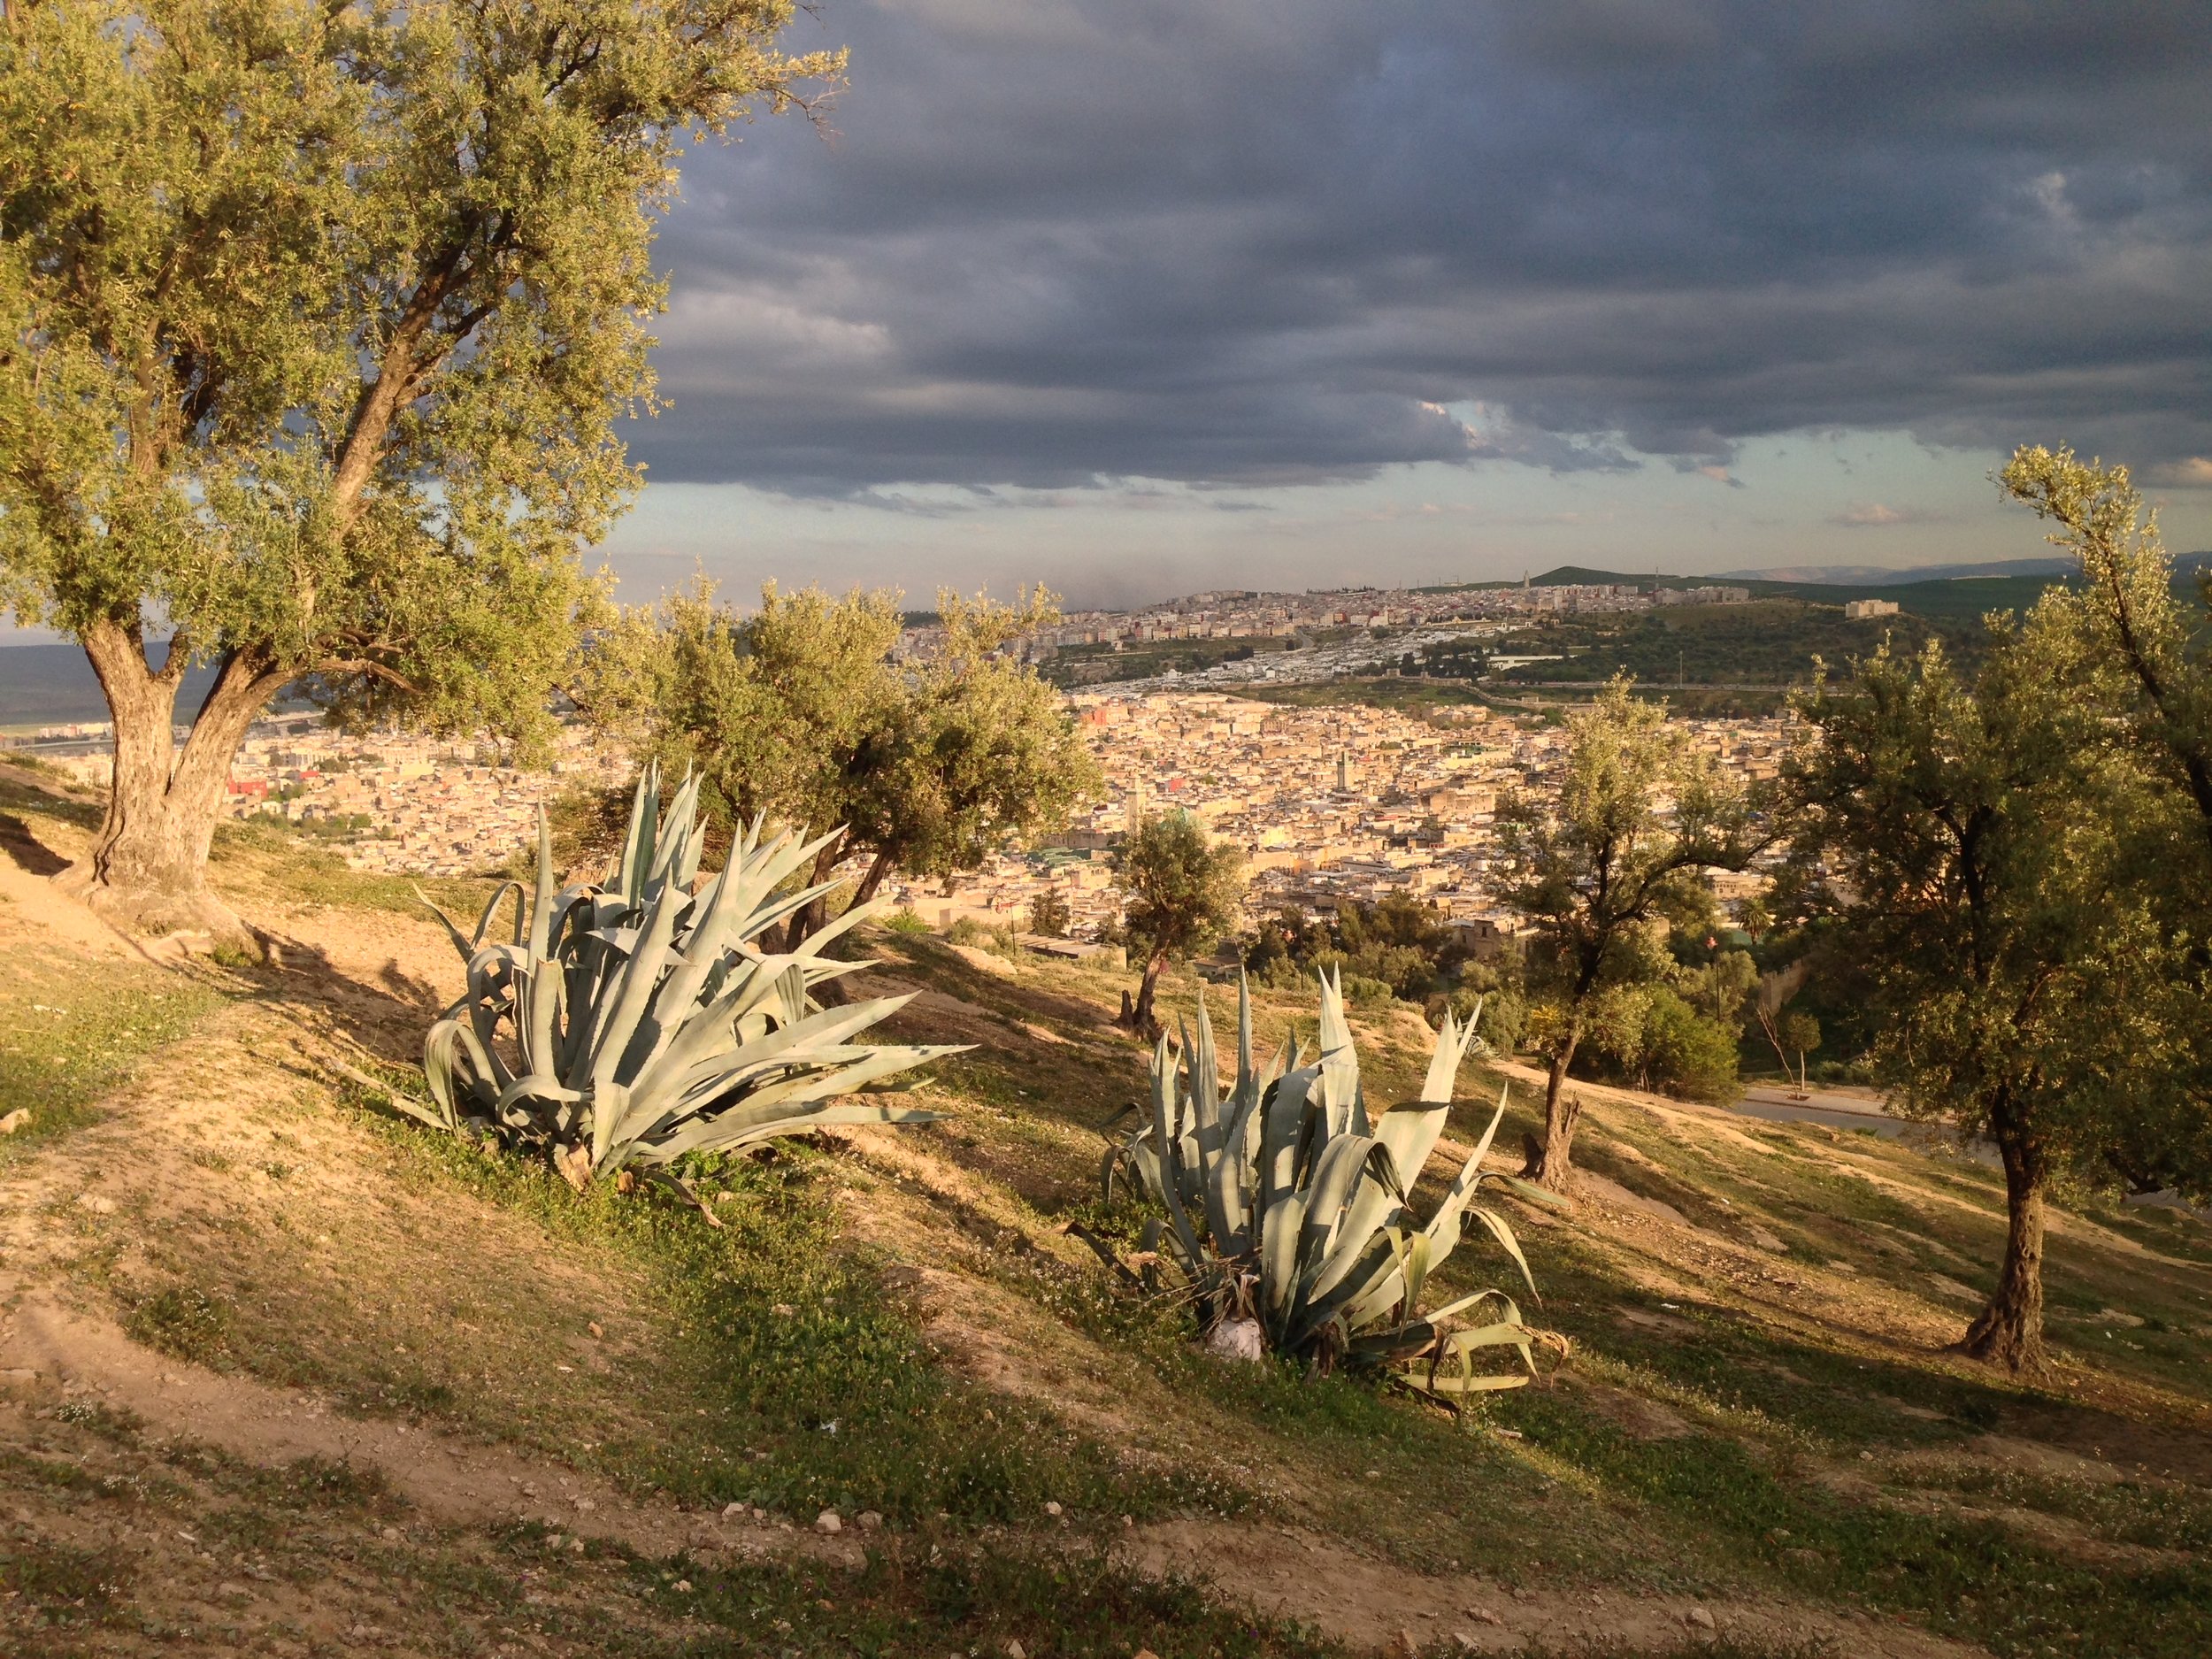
x=1552 y=1164
x=2010 y=1331
x=148 y=872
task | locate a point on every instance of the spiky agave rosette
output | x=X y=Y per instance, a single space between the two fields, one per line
x=631 y=1024
x=1287 y=1204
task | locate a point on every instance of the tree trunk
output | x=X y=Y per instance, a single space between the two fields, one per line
x=871 y=884
x=148 y=870
x=808 y=918
x=1138 y=1016
x=1554 y=1163
x=2010 y=1331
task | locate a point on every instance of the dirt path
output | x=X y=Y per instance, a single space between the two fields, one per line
x=1289 y=1572
x=45 y=1347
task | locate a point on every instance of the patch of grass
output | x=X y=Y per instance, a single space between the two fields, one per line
x=2151 y=1517
x=45 y=1582
x=971 y=1599
x=185 y=1323
x=1971 y=1578
x=70 y=1034
x=264 y=859
x=1831 y=1397
x=784 y=1377
x=118 y=1426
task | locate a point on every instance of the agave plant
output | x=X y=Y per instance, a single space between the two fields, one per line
x=1290 y=1207
x=630 y=1024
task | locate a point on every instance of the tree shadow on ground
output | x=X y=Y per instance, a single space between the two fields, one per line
x=20 y=842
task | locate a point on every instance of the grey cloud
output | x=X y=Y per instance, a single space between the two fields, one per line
x=1266 y=242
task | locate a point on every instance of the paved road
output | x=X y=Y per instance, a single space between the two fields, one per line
x=1777 y=1104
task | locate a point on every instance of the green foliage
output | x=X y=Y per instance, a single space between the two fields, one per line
x=1181 y=892
x=1661 y=1042
x=1289 y=1211
x=320 y=320
x=805 y=710
x=1048 y=914
x=637 y=1024
x=2122 y=641
x=1598 y=868
x=185 y=1323
x=1976 y=839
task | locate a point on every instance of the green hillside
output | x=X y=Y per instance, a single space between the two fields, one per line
x=285 y=1374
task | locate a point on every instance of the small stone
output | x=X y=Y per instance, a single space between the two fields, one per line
x=1483 y=1615
x=1700 y=1617
x=96 y=1204
x=19 y=1118
x=732 y=1509
x=829 y=1524
x=1052 y=1509
x=871 y=1521
x=683 y=1586
x=390 y=1535
x=554 y=1540
x=1404 y=1645
x=595 y=1328
x=1128 y=1521
x=1466 y=1643
x=575 y=1546
x=1013 y=1649
x=1237 y=1338
x=1144 y=1652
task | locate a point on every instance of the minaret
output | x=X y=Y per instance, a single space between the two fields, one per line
x=1343 y=771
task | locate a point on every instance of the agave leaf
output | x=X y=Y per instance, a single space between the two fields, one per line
x=461 y=942
x=1504 y=1234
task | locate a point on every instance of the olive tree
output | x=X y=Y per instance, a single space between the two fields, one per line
x=1974 y=839
x=809 y=711
x=1180 y=893
x=319 y=319
x=2121 y=640
x=1595 y=869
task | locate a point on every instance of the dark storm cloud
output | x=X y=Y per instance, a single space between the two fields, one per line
x=1271 y=240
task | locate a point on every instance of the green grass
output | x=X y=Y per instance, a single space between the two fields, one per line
x=785 y=1376
x=267 y=860
x=1973 y=1579
x=972 y=1601
x=47 y=1583
x=71 y=1033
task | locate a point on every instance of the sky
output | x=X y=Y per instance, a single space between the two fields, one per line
x=1141 y=297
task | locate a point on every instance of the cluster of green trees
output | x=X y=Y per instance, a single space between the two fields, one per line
x=2014 y=860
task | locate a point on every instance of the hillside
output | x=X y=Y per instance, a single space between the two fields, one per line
x=281 y=1374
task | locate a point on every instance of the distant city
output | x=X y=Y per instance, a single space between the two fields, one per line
x=1334 y=804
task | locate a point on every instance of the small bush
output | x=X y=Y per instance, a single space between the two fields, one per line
x=904 y=921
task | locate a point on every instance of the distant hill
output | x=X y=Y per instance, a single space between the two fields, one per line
x=1862 y=575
